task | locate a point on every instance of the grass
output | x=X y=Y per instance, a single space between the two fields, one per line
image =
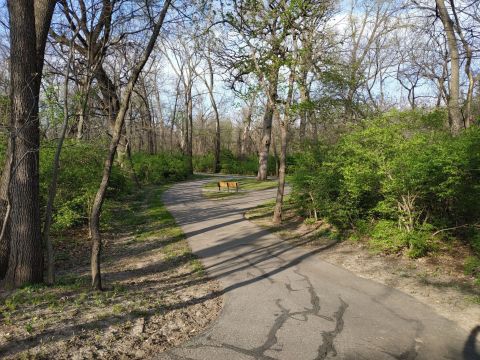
x=210 y=189
x=143 y=220
x=293 y=226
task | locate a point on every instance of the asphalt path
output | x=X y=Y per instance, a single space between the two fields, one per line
x=283 y=302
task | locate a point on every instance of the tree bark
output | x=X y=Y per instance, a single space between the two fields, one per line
x=454 y=112
x=174 y=115
x=468 y=68
x=217 y=133
x=210 y=84
x=189 y=130
x=246 y=129
x=20 y=242
x=304 y=98
x=277 y=214
x=117 y=133
x=267 y=127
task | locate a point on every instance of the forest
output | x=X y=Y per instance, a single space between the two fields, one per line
x=365 y=112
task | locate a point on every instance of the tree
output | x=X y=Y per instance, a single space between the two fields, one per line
x=117 y=133
x=209 y=81
x=21 y=259
x=284 y=123
x=184 y=61
x=454 y=112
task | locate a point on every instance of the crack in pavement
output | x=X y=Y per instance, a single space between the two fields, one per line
x=295 y=319
x=329 y=336
x=259 y=352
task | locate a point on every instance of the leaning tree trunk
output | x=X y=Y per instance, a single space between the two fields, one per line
x=21 y=229
x=111 y=102
x=455 y=114
x=468 y=69
x=107 y=169
x=267 y=127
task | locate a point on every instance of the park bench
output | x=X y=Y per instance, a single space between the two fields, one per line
x=229 y=185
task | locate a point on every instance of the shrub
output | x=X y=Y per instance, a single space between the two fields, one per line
x=472 y=266
x=387 y=237
x=79 y=176
x=401 y=171
x=204 y=163
x=161 y=168
x=232 y=164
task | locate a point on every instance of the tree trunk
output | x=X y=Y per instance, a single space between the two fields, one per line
x=276 y=158
x=267 y=127
x=210 y=84
x=304 y=98
x=468 y=68
x=111 y=102
x=174 y=115
x=246 y=129
x=117 y=133
x=454 y=112
x=21 y=234
x=217 y=135
x=189 y=132
x=277 y=214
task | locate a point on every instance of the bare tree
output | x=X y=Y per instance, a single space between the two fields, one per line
x=454 y=112
x=119 y=124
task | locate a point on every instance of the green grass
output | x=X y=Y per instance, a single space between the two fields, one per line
x=245 y=185
x=141 y=214
x=262 y=211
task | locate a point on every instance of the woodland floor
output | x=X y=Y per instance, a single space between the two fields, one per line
x=151 y=282
x=437 y=280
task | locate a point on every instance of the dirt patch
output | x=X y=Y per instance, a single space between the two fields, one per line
x=157 y=294
x=437 y=280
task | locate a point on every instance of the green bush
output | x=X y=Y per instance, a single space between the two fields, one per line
x=79 y=176
x=232 y=164
x=475 y=241
x=472 y=266
x=80 y=172
x=402 y=172
x=204 y=163
x=161 y=168
x=387 y=237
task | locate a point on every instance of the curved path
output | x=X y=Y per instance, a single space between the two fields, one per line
x=283 y=302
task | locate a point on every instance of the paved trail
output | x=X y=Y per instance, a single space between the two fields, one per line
x=283 y=302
